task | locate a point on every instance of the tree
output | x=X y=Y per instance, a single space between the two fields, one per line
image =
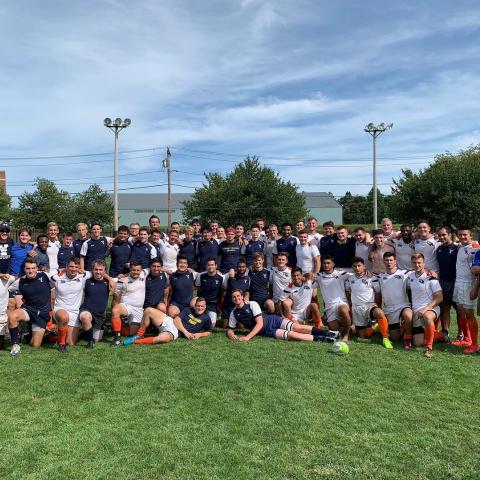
x=248 y=192
x=46 y=204
x=446 y=192
x=93 y=205
x=358 y=209
x=49 y=204
x=5 y=206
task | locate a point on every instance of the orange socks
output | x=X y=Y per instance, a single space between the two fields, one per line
x=473 y=328
x=141 y=332
x=383 y=326
x=317 y=320
x=429 y=334
x=464 y=325
x=62 y=335
x=438 y=337
x=144 y=340
x=116 y=324
x=369 y=331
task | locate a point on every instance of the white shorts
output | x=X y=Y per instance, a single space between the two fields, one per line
x=134 y=314
x=332 y=313
x=3 y=324
x=461 y=294
x=299 y=316
x=418 y=322
x=396 y=316
x=168 y=326
x=73 y=317
x=279 y=297
x=361 y=314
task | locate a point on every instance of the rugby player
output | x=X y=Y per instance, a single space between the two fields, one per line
x=40 y=253
x=182 y=283
x=188 y=246
x=362 y=246
x=307 y=254
x=235 y=279
x=169 y=252
x=281 y=278
x=255 y=245
x=209 y=286
x=287 y=244
x=332 y=287
x=95 y=248
x=154 y=222
x=426 y=297
x=66 y=251
x=271 y=245
x=363 y=294
x=328 y=239
x=404 y=247
x=192 y=323
x=387 y=228
x=53 y=245
x=20 y=251
x=134 y=230
x=378 y=248
x=313 y=236
x=6 y=281
x=343 y=249
x=228 y=251
x=464 y=284
x=120 y=252
x=426 y=244
x=207 y=248
x=82 y=235
x=249 y=314
x=260 y=284
x=6 y=244
x=142 y=251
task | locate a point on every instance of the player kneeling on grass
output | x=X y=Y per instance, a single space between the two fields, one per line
x=6 y=281
x=363 y=292
x=130 y=295
x=332 y=286
x=95 y=301
x=265 y=325
x=33 y=292
x=426 y=298
x=299 y=307
x=191 y=323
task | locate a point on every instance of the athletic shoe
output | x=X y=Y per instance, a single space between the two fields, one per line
x=333 y=334
x=428 y=353
x=471 y=350
x=387 y=343
x=130 y=340
x=407 y=344
x=62 y=349
x=15 y=350
x=90 y=344
x=116 y=341
x=461 y=343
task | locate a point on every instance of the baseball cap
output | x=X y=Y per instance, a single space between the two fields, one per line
x=4 y=226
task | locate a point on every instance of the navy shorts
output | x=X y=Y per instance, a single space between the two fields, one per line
x=180 y=306
x=271 y=323
x=36 y=317
x=447 y=290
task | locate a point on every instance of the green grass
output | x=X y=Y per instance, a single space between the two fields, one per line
x=215 y=409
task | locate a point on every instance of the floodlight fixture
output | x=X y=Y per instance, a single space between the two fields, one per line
x=107 y=122
x=127 y=122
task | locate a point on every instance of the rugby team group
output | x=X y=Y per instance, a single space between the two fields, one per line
x=399 y=285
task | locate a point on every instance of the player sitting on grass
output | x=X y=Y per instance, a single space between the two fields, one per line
x=209 y=286
x=299 y=307
x=396 y=305
x=363 y=293
x=260 y=284
x=33 y=293
x=426 y=297
x=332 y=287
x=251 y=317
x=191 y=323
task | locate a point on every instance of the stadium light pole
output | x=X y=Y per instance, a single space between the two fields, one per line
x=116 y=126
x=375 y=131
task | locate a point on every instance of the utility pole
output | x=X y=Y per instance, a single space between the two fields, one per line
x=115 y=127
x=167 y=165
x=375 y=131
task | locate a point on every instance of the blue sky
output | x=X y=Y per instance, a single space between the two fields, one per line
x=293 y=81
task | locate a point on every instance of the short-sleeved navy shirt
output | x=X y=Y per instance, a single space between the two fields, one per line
x=189 y=250
x=259 y=285
x=64 y=255
x=36 y=293
x=210 y=287
x=182 y=284
x=243 y=283
x=288 y=245
x=96 y=296
x=155 y=289
x=447 y=262
x=120 y=255
x=194 y=323
x=228 y=255
x=206 y=249
x=254 y=246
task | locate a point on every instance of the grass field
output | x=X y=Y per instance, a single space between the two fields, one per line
x=216 y=409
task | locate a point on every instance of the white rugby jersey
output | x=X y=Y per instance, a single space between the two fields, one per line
x=132 y=290
x=270 y=251
x=429 y=248
x=362 y=289
x=314 y=238
x=301 y=296
x=332 y=286
x=403 y=252
x=306 y=255
x=52 y=252
x=4 y=284
x=422 y=287
x=69 y=291
x=169 y=254
x=280 y=281
x=361 y=250
x=393 y=288
x=465 y=256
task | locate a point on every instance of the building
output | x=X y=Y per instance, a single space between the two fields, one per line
x=138 y=207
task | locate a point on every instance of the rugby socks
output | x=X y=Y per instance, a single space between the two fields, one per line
x=383 y=326
x=464 y=325
x=369 y=331
x=89 y=334
x=317 y=319
x=438 y=337
x=429 y=332
x=14 y=334
x=116 y=324
x=144 y=340
x=319 y=331
x=141 y=332
x=473 y=328
x=62 y=335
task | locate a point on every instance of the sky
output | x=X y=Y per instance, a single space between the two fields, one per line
x=291 y=81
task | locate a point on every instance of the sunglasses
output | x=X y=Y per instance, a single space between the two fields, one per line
x=4 y=231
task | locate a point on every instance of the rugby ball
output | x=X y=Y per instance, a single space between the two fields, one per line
x=340 y=348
